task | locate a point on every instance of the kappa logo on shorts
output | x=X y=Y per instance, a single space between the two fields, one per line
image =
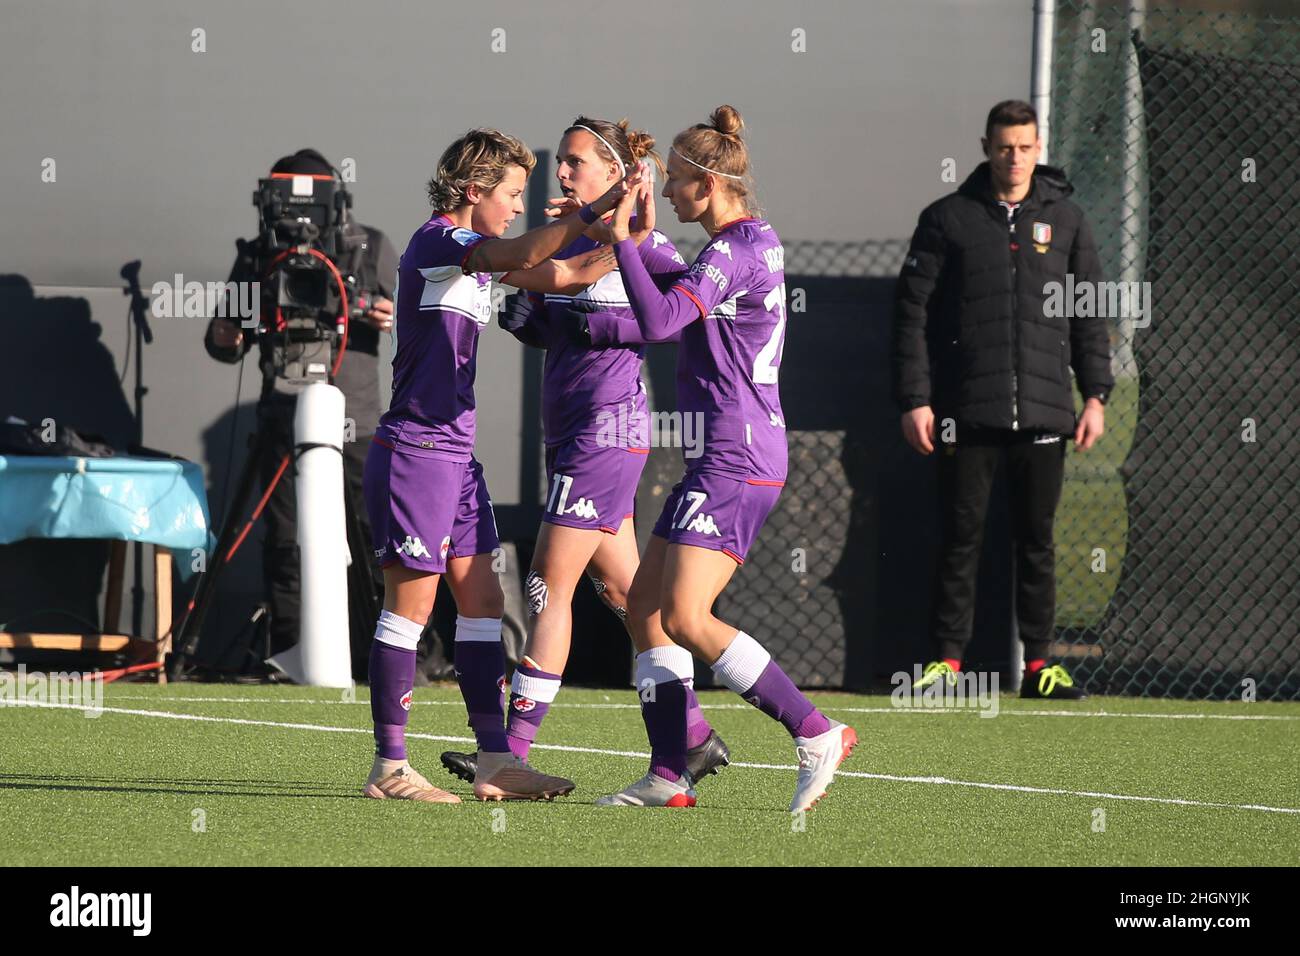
x=693 y=519
x=523 y=704
x=584 y=508
x=1047 y=439
x=413 y=547
x=406 y=701
x=704 y=524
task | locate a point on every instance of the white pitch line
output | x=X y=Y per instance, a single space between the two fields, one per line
x=944 y=781
x=841 y=710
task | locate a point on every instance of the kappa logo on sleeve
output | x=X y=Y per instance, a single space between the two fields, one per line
x=723 y=247
x=465 y=236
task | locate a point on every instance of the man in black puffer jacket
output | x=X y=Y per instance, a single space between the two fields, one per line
x=981 y=362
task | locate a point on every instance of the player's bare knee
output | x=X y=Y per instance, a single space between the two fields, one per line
x=417 y=611
x=682 y=622
x=641 y=603
x=486 y=601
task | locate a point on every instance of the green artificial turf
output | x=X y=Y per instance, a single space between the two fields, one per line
x=131 y=788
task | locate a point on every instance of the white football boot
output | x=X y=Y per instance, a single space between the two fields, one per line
x=652 y=790
x=819 y=758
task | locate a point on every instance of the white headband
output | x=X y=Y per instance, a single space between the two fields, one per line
x=673 y=149
x=622 y=170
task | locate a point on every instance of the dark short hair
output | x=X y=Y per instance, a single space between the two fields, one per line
x=304 y=162
x=1010 y=113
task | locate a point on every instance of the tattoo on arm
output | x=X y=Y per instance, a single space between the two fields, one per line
x=600 y=257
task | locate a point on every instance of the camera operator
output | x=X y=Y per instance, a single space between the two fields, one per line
x=284 y=363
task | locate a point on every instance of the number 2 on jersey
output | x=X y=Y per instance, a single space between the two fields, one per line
x=768 y=359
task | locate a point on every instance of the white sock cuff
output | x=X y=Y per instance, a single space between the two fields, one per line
x=397 y=631
x=540 y=689
x=660 y=665
x=486 y=629
x=741 y=663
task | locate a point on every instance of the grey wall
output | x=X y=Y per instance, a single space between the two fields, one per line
x=158 y=148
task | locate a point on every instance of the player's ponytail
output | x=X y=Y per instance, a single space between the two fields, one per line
x=727 y=120
x=717 y=147
x=616 y=143
x=642 y=145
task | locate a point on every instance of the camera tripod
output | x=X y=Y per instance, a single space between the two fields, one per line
x=361 y=588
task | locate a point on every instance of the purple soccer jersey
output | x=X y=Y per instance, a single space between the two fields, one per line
x=597 y=392
x=438 y=316
x=727 y=366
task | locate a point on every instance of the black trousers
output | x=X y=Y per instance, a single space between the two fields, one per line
x=1035 y=464
x=280 y=560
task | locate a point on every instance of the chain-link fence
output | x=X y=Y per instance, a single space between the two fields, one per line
x=1180 y=130
x=1177 y=571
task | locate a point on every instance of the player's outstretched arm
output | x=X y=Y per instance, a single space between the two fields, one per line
x=538 y=245
x=659 y=315
x=570 y=276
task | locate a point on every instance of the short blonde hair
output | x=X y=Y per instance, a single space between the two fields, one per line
x=480 y=157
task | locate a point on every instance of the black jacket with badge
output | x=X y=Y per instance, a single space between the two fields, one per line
x=972 y=334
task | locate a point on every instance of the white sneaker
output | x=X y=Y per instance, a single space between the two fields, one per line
x=652 y=790
x=503 y=776
x=819 y=758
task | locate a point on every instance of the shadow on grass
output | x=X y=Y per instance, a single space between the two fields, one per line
x=201 y=787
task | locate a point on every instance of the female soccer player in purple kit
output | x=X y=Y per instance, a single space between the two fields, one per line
x=594 y=417
x=730 y=309
x=425 y=493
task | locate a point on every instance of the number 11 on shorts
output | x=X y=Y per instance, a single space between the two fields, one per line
x=559 y=489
